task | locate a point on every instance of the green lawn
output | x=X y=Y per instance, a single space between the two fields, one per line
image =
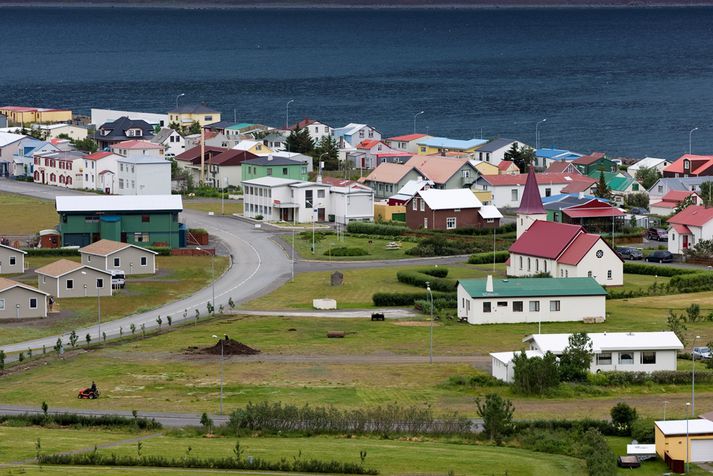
x=16 y=209
x=375 y=247
x=648 y=468
x=213 y=205
x=177 y=277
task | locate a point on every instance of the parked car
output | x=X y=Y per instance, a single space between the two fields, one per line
x=657 y=234
x=630 y=253
x=660 y=257
x=701 y=353
x=639 y=211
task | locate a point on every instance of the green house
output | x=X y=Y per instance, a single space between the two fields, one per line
x=270 y=166
x=595 y=162
x=144 y=220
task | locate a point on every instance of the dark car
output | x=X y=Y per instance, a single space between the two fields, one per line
x=660 y=257
x=656 y=234
x=639 y=211
x=630 y=253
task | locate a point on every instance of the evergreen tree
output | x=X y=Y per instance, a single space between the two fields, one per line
x=685 y=203
x=327 y=151
x=300 y=141
x=706 y=193
x=576 y=358
x=522 y=157
x=496 y=413
x=647 y=177
x=194 y=128
x=602 y=187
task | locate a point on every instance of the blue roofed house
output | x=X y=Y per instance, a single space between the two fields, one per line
x=23 y=162
x=494 y=151
x=353 y=134
x=444 y=145
x=545 y=157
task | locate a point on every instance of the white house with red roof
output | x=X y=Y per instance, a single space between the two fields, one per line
x=100 y=171
x=690 y=165
x=671 y=201
x=507 y=190
x=689 y=226
x=142 y=168
x=371 y=152
x=507 y=167
x=407 y=142
x=564 y=251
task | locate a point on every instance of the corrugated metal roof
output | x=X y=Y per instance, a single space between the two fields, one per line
x=607 y=341
x=446 y=143
x=533 y=287
x=118 y=203
x=449 y=199
x=697 y=426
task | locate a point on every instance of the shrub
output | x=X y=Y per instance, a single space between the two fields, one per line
x=52 y=252
x=535 y=375
x=642 y=430
x=346 y=251
x=595 y=450
x=366 y=228
x=623 y=416
x=73 y=419
x=435 y=272
x=692 y=282
x=496 y=413
x=474 y=381
x=502 y=230
x=487 y=258
x=440 y=246
x=424 y=305
x=408 y=299
x=653 y=270
x=415 y=278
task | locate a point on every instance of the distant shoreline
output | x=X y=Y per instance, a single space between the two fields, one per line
x=346 y=4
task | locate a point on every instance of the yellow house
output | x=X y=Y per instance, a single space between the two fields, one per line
x=485 y=196
x=383 y=212
x=443 y=145
x=670 y=437
x=21 y=115
x=485 y=168
x=254 y=147
x=188 y=114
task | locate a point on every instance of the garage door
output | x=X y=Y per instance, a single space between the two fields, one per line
x=701 y=450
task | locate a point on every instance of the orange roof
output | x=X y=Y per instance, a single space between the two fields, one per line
x=589 y=159
x=389 y=173
x=692 y=215
x=367 y=144
x=676 y=196
x=436 y=168
x=505 y=164
x=407 y=137
x=698 y=164
x=97 y=155
x=107 y=247
x=136 y=144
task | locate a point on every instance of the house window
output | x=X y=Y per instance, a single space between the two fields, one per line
x=269 y=171
x=117 y=262
x=284 y=170
x=486 y=307
x=544 y=263
x=207 y=118
x=534 y=306
x=2 y=304
x=121 y=183
x=100 y=283
x=589 y=274
x=414 y=204
x=423 y=205
x=466 y=173
x=514 y=195
x=520 y=262
x=609 y=275
x=308 y=198
x=529 y=264
x=548 y=192
x=660 y=188
x=145 y=218
x=141 y=237
x=144 y=261
x=566 y=273
x=70 y=284
x=502 y=304
x=626 y=358
x=450 y=223
x=33 y=303
x=371 y=133
x=537 y=265
x=12 y=261
x=423 y=149
x=604 y=358
x=635 y=187
x=517 y=306
x=648 y=358
x=320 y=193
x=554 y=306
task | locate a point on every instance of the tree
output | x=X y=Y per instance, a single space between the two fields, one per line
x=535 y=375
x=175 y=126
x=576 y=358
x=596 y=452
x=602 y=190
x=86 y=145
x=638 y=199
x=522 y=157
x=706 y=193
x=496 y=413
x=327 y=151
x=194 y=128
x=622 y=417
x=647 y=177
x=685 y=203
x=300 y=141
x=677 y=325
x=702 y=249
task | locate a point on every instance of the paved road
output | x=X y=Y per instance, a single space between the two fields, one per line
x=259 y=266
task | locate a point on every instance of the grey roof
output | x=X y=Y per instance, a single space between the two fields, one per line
x=274 y=137
x=219 y=125
x=268 y=160
x=495 y=144
x=119 y=127
x=193 y=109
x=683 y=184
x=162 y=135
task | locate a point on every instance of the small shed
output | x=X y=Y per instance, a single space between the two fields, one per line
x=69 y=279
x=12 y=260
x=679 y=441
x=113 y=255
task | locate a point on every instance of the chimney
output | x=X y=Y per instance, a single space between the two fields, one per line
x=319 y=179
x=489 y=284
x=269 y=157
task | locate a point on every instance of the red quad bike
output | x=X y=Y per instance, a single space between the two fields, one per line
x=87 y=393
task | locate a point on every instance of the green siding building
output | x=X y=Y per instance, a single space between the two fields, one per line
x=278 y=167
x=144 y=220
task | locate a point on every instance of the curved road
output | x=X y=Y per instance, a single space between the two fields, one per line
x=259 y=265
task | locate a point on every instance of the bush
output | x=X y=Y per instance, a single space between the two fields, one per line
x=366 y=228
x=52 y=252
x=694 y=282
x=435 y=272
x=75 y=420
x=487 y=258
x=602 y=426
x=660 y=377
x=439 y=246
x=415 y=278
x=622 y=417
x=474 y=381
x=653 y=270
x=346 y=251
x=407 y=299
x=509 y=228
x=642 y=430
x=424 y=305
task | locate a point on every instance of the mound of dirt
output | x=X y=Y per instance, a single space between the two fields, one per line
x=230 y=347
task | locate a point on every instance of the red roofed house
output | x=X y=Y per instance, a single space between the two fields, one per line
x=433 y=209
x=507 y=167
x=562 y=167
x=689 y=226
x=564 y=251
x=672 y=200
x=507 y=190
x=191 y=159
x=100 y=169
x=365 y=155
x=689 y=165
x=406 y=142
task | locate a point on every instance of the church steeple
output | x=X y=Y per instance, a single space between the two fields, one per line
x=531 y=208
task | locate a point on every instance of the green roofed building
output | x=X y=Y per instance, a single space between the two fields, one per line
x=144 y=220
x=505 y=301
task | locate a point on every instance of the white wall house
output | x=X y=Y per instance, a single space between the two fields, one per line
x=60 y=168
x=278 y=199
x=612 y=351
x=509 y=301
x=353 y=134
x=143 y=176
x=507 y=190
x=172 y=142
x=564 y=251
x=55 y=130
x=351 y=203
x=494 y=151
x=648 y=163
x=691 y=225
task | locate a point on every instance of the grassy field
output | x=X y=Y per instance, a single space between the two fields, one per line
x=14 y=211
x=213 y=205
x=375 y=247
x=390 y=457
x=177 y=277
x=358 y=287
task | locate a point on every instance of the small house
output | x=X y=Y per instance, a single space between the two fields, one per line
x=20 y=301
x=113 y=255
x=672 y=200
x=689 y=226
x=682 y=441
x=449 y=210
x=12 y=260
x=69 y=279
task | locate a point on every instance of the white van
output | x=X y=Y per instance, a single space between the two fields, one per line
x=118 y=278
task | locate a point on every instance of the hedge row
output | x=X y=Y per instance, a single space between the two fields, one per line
x=375 y=229
x=605 y=427
x=424 y=305
x=346 y=251
x=653 y=270
x=436 y=272
x=662 y=377
x=415 y=278
x=509 y=228
x=486 y=258
x=73 y=419
x=52 y=251
x=407 y=299
x=688 y=283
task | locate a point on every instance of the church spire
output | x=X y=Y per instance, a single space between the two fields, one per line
x=531 y=203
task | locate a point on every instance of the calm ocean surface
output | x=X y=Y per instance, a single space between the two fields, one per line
x=628 y=82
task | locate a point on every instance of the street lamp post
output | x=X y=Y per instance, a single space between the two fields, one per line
x=693 y=379
x=179 y=96
x=688 y=454
x=287 y=113
x=222 y=341
x=537 y=133
x=222 y=196
x=430 y=334
x=414 y=120
x=690 y=139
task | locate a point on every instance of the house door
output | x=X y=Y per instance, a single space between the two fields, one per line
x=425 y=223
x=320 y=214
x=685 y=242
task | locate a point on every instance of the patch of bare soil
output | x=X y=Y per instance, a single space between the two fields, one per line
x=229 y=347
